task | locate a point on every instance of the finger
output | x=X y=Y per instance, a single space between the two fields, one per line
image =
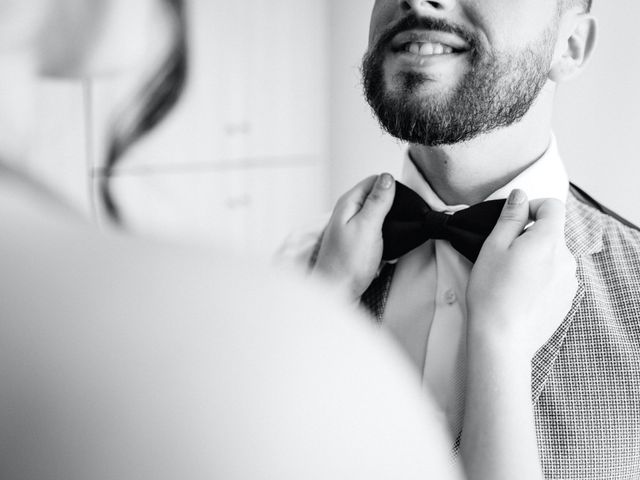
x=378 y=202
x=513 y=219
x=351 y=202
x=548 y=215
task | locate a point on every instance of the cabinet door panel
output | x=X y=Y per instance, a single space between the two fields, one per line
x=204 y=126
x=256 y=87
x=243 y=209
x=196 y=206
x=219 y=88
x=58 y=154
x=288 y=71
x=284 y=199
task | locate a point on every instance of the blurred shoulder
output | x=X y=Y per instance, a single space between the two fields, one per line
x=137 y=339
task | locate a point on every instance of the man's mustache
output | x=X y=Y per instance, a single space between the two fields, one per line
x=413 y=22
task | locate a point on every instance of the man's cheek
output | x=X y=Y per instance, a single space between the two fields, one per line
x=381 y=17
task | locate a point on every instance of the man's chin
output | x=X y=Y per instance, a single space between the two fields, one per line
x=428 y=131
x=431 y=142
x=416 y=89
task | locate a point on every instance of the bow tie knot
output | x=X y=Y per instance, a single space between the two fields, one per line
x=436 y=224
x=411 y=222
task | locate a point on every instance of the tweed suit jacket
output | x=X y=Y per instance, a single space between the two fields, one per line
x=585 y=384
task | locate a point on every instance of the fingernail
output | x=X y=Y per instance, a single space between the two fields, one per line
x=516 y=197
x=385 y=181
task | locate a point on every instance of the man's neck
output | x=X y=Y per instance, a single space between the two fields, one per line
x=468 y=173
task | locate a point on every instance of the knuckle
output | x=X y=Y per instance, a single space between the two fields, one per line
x=375 y=196
x=512 y=217
x=511 y=214
x=370 y=178
x=491 y=243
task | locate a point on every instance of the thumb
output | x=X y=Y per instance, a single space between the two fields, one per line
x=513 y=219
x=378 y=203
x=549 y=215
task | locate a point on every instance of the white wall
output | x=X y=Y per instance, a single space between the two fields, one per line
x=358 y=147
x=59 y=151
x=596 y=119
x=598 y=115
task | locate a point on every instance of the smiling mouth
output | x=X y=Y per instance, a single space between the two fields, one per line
x=427 y=43
x=427 y=49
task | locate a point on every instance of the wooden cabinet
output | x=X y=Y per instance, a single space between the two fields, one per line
x=258 y=87
x=247 y=209
x=249 y=136
x=282 y=199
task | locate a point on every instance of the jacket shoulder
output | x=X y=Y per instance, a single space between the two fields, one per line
x=616 y=228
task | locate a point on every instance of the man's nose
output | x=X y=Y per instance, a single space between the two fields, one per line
x=427 y=6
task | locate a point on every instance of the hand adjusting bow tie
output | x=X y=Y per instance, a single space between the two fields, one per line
x=411 y=222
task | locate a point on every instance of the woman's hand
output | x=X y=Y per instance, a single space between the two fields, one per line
x=523 y=283
x=519 y=292
x=351 y=249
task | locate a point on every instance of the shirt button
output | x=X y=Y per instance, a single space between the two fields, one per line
x=450 y=297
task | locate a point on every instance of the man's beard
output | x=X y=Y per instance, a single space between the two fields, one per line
x=496 y=92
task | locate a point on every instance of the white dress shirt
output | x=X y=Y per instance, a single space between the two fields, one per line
x=426 y=310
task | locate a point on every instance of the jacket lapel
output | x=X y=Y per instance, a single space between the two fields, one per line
x=583 y=234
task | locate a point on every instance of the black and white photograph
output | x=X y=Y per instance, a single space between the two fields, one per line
x=331 y=239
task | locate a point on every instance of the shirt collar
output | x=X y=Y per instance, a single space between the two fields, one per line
x=546 y=178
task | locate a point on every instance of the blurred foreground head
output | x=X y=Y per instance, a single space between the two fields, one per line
x=85 y=39
x=192 y=368
x=80 y=38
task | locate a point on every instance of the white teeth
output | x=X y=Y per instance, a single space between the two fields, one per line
x=428 y=48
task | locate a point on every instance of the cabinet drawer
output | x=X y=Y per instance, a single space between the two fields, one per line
x=250 y=208
x=257 y=88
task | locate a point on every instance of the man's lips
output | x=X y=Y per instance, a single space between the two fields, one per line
x=428 y=42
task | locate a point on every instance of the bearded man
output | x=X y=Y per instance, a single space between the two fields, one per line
x=470 y=86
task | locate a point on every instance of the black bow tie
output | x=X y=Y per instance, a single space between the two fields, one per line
x=411 y=222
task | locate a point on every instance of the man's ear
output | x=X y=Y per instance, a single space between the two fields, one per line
x=577 y=39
